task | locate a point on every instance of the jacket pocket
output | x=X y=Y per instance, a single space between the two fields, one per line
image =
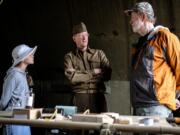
x=94 y=64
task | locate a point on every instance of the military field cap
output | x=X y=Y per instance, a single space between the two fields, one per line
x=78 y=28
x=143 y=7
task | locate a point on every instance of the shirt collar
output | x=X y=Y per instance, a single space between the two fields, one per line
x=89 y=50
x=19 y=70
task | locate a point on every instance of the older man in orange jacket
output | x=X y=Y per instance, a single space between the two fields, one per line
x=155 y=77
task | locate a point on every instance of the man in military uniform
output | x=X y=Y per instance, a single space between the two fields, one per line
x=87 y=69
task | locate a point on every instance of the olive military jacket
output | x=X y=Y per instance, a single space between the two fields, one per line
x=79 y=70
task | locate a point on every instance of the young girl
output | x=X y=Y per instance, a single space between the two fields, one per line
x=15 y=86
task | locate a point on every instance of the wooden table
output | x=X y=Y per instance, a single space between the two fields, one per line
x=161 y=127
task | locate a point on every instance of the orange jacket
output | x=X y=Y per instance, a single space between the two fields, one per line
x=156 y=70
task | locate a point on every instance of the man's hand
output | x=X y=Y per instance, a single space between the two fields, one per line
x=177 y=104
x=97 y=71
x=71 y=69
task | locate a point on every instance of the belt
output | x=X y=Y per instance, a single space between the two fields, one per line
x=86 y=91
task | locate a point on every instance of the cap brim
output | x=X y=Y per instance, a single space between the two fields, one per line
x=128 y=12
x=21 y=59
x=34 y=50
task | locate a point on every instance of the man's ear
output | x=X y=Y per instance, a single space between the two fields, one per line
x=144 y=17
x=73 y=38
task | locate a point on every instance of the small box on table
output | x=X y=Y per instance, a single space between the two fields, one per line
x=97 y=118
x=34 y=113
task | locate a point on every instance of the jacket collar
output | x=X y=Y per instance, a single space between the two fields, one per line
x=89 y=50
x=155 y=30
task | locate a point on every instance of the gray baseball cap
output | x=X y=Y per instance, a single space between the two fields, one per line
x=143 y=7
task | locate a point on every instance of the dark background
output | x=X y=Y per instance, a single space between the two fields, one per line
x=48 y=24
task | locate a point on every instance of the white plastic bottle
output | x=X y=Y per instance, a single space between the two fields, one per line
x=30 y=99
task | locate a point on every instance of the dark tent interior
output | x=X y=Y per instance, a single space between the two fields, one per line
x=48 y=24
